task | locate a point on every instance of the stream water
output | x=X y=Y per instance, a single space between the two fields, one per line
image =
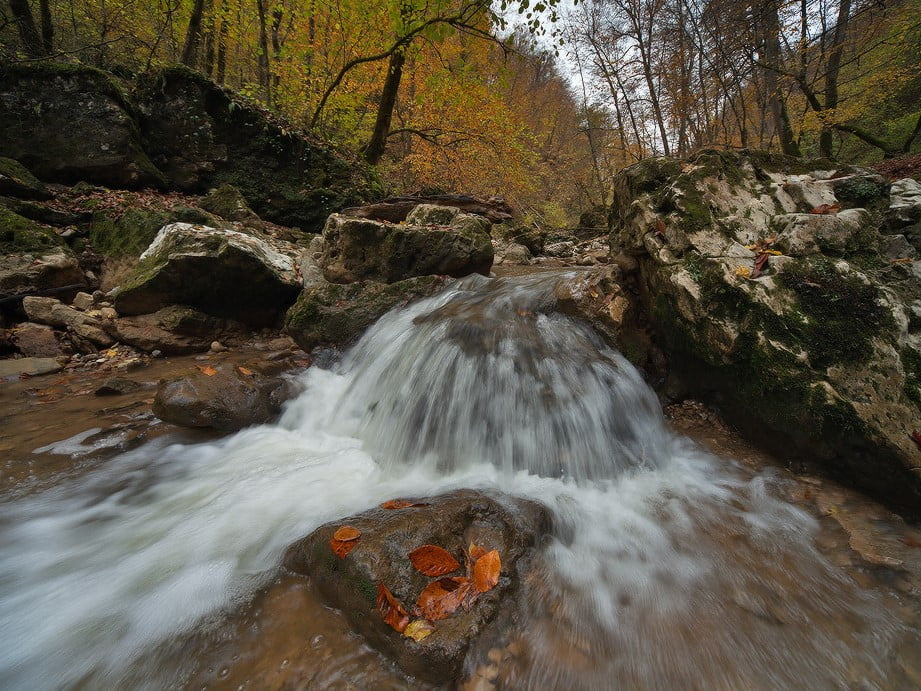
x=668 y=567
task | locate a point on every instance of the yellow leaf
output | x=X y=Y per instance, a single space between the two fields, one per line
x=419 y=629
x=743 y=272
x=207 y=369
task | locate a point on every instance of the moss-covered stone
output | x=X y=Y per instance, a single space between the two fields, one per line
x=227 y=202
x=336 y=314
x=20 y=235
x=17 y=181
x=126 y=233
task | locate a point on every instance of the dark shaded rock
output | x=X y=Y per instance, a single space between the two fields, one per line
x=126 y=232
x=224 y=273
x=43 y=214
x=36 y=340
x=117 y=386
x=453 y=521
x=68 y=122
x=334 y=314
x=532 y=238
x=17 y=181
x=357 y=249
x=203 y=136
x=228 y=400
x=173 y=330
x=397 y=209
x=227 y=202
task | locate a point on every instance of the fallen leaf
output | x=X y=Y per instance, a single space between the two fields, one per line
x=486 y=571
x=760 y=261
x=910 y=541
x=743 y=272
x=826 y=209
x=207 y=369
x=433 y=561
x=347 y=533
x=419 y=629
x=522 y=312
x=441 y=598
x=475 y=551
x=342 y=547
x=402 y=504
x=245 y=370
x=391 y=610
x=659 y=228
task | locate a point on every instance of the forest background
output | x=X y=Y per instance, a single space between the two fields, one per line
x=539 y=102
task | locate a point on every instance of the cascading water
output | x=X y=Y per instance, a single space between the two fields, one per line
x=667 y=569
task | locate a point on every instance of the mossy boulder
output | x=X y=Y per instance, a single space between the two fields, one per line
x=203 y=136
x=33 y=258
x=221 y=272
x=334 y=314
x=125 y=232
x=795 y=323
x=227 y=202
x=17 y=181
x=69 y=122
x=361 y=249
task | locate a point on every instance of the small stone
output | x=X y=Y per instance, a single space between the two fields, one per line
x=91 y=277
x=108 y=313
x=99 y=296
x=134 y=363
x=117 y=386
x=218 y=347
x=156 y=353
x=83 y=301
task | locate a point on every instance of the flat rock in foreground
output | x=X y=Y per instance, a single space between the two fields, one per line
x=452 y=521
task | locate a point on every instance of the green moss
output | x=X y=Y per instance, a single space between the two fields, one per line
x=844 y=314
x=20 y=235
x=126 y=234
x=18 y=173
x=911 y=362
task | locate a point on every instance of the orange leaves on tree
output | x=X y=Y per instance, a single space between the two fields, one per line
x=344 y=540
x=391 y=610
x=486 y=571
x=433 y=561
x=401 y=504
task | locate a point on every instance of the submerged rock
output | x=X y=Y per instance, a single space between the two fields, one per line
x=222 y=397
x=452 y=521
x=787 y=313
x=334 y=314
x=225 y=273
x=361 y=249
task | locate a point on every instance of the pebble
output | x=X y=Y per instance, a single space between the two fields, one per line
x=218 y=347
x=156 y=353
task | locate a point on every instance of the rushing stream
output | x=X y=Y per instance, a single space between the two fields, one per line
x=668 y=568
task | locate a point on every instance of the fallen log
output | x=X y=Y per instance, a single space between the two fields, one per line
x=396 y=209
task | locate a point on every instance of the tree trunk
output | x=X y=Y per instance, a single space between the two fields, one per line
x=222 y=45
x=378 y=142
x=833 y=69
x=770 y=37
x=193 y=35
x=28 y=32
x=47 y=26
x=264 y=78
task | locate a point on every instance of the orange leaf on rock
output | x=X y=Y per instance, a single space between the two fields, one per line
x=391 y=610
x=401 y=504
x=433 y=561
x=826 y=209
x=347 y=533
x=486 y=571
x=441 y=598
x=342 y=547
x=245 y=370
x=207 y=369
x=475 y=551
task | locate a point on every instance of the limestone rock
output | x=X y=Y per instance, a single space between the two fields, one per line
x=173 y=330
x=225 y=273
x=31 y=366
x=334 y=314
x=359 y=249
x=514 y=527
x=226 y=399
x=17 y=181
x=819 y=355
x=32 y=258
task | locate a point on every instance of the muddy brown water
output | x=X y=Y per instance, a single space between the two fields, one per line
x=728 y=600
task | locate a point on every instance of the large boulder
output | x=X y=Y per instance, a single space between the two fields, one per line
x=335 y=314
x=203 y=136
x=225 y=273
x=174 y=330
x=68 y=122
x=33 y=259
x=513 y=527
x=786 y=313
x=441 y=241
x=226 y=398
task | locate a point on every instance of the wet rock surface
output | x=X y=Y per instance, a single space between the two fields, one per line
x=226 y=398
x=361 y=249
x=453 y=521
x=772 y=293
